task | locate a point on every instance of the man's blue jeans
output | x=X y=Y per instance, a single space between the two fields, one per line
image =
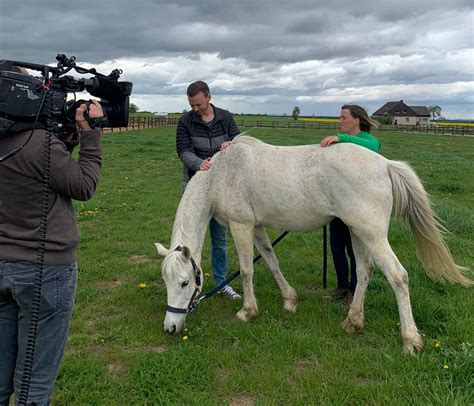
x=218 y=251
x=219 y=259
x=57 y=301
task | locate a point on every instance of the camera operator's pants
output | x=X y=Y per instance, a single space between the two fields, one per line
x=57 y=301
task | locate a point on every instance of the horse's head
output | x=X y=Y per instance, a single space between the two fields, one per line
x=183 y=280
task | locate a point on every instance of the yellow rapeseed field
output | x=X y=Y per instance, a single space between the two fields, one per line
x=458 y=124
x=320 y=120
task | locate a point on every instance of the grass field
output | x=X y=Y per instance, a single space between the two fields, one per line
x=117 y=353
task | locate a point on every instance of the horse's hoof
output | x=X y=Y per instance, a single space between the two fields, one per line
x=246 y=314
x=413 y=345
x=290 y=306
x=351 y=326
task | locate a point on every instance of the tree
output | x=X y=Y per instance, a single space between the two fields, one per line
x=295 y=113
x=133 y=108
x=435 y=111
x=386 y=119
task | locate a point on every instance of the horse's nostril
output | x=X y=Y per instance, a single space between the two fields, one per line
x=171 y=330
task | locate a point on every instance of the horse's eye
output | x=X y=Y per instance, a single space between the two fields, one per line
x=184 y=284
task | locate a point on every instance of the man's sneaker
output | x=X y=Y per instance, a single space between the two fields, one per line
x=336 y=295
x=227 y=290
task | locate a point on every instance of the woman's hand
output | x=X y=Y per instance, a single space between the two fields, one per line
x=332 y=139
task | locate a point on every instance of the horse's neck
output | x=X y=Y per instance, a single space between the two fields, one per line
x=192 y=216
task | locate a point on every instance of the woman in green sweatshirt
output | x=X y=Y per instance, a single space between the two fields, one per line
x=355 y=128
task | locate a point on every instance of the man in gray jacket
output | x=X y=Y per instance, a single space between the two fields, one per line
x=200 y=134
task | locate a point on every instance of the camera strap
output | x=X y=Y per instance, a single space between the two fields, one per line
x=97 y=122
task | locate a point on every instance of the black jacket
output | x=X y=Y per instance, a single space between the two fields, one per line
x=197 y=140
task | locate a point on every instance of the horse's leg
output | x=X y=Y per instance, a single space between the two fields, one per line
x=243 y=239
x=364 y=268
x=264 y=246
x=397 y=276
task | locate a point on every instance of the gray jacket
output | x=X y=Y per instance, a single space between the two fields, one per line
x=197 y=140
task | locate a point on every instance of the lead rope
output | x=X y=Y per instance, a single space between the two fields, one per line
x=234 y=275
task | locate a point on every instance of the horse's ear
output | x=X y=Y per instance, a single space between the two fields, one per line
x=186 y=252
x=161 y=250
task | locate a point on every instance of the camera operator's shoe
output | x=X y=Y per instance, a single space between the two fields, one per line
x=229 y=291
x=336 y=295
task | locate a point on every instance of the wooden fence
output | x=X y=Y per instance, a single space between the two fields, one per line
x=442 y=129
x=138 y=123
x=314 y=125
x=305 y=125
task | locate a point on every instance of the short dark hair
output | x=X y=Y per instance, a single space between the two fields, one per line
x=366 y=123
x=198 y=87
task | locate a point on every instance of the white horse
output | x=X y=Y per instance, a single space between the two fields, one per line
x=252 y=185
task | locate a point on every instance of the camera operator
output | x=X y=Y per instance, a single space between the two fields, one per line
x=21 y=178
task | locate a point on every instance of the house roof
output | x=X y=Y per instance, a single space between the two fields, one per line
x=385 y=108
x=399 y=108
x=421 y=110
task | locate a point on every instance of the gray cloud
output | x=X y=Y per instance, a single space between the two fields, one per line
x=264 y=55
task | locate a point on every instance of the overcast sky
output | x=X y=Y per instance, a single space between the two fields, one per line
x=260 y=56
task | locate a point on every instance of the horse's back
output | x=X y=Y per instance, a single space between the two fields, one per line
x=303 y=186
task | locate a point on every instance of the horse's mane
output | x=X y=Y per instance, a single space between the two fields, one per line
x=247 y=139
x=180 y=234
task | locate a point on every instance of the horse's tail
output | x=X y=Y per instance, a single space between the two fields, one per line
x=412 y=203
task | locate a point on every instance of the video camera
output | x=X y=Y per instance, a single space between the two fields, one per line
x=22 y=97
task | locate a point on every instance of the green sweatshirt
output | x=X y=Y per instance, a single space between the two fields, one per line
x=363 y=139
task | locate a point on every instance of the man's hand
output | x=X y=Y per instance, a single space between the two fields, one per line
x=332 y=139
x=95 y=111
x=205 y=165
x=225 y=145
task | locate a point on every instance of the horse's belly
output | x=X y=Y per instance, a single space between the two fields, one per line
x=294 y=223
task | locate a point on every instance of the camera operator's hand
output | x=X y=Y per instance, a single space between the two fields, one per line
x=95 y=111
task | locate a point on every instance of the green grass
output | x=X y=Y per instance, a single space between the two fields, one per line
x=117 y=353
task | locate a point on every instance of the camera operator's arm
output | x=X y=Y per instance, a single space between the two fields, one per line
x=78 y=179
